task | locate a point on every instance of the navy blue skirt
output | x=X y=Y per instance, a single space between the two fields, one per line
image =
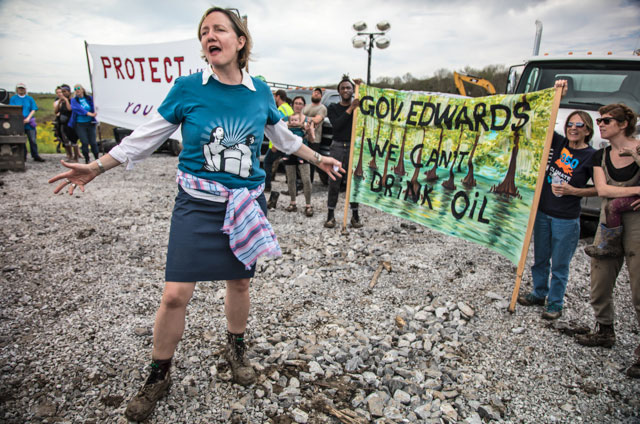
x=198 y=249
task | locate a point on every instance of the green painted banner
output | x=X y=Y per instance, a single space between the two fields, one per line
x=467 y=167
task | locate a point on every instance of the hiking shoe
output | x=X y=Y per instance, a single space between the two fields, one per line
x=142 y=404
x=273 y=200
x=308 y=211
x=356 y=223
x=634 y=370
x=330 y=223
x=530 y=300
x=603 y=335
x=552 y=313
x=241 y=370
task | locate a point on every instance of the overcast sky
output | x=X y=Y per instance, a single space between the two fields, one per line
x=309 y=42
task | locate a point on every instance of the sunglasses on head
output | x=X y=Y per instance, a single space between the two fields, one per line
x=577 y=124
x=606 y=121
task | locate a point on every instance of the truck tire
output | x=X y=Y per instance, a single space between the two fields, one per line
x=175 y=147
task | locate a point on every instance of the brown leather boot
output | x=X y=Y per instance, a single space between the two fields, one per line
x=603 y=335
x=242 y=371
x=143 y=403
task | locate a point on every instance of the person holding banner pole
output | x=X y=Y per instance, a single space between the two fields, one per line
x=83 y=121
x=218 y=226
x=341 y=117
x=616 y=175
x=556 y=229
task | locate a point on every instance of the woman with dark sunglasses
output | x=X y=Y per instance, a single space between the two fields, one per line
x=617 y=178
x=219 y=227
x=557 y=226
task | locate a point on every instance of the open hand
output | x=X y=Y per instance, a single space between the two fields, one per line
x=78 y=175
x=332 y=167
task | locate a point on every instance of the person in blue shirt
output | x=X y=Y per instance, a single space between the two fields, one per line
x=29 y=108
x=218 y=226
x=83 y=121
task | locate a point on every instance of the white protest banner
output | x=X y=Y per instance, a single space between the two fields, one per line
x=130 y=81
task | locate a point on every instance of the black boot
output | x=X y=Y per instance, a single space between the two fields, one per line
x=355 y=219
x=603 y=335
x=273 y=200
x=331 y=220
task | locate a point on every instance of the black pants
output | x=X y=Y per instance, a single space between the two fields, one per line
x=340 y=151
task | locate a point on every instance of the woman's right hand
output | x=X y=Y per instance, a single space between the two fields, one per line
x=562 y=83
x=78 y=175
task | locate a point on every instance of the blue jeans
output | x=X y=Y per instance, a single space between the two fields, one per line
x=554 y=243
x=86 y=132
x=33 y=146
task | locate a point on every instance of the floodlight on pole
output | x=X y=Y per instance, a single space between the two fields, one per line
x=367 y=40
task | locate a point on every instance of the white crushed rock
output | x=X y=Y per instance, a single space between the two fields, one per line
x=432 y=342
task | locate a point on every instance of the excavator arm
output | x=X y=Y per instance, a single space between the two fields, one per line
x=460 y=79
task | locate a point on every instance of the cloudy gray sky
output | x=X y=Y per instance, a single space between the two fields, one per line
x=309 y=42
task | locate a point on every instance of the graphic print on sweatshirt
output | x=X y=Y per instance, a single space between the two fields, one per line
x=564 y=166
x=228 y=150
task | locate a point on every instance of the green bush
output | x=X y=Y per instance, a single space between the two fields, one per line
x=46 y=138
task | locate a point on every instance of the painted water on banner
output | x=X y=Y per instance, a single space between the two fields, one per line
x=465 y=167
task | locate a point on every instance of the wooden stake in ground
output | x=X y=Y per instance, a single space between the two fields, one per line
x=536 y=198
x=374 y=280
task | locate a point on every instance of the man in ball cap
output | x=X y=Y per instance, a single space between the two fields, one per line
x=29 y=108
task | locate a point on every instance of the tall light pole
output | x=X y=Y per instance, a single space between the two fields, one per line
x=366 y=40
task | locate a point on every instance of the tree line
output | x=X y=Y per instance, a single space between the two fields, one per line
x=442 y=81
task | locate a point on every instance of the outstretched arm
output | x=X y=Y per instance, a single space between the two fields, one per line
x=80 y=174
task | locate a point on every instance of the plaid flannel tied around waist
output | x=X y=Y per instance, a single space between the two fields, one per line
x=249 y=231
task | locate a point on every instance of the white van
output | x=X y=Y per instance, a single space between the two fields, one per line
x=592 y=82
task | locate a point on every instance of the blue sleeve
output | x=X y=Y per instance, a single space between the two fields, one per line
x=172 y=107
x=77 y=108
x=13 y=101
x=32 y=104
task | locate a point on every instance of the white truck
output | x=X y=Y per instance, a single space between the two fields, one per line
x=593 y=81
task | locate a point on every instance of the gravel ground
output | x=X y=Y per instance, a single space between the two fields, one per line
x=82 y=276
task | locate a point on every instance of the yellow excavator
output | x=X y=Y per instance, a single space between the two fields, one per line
x=460 y=79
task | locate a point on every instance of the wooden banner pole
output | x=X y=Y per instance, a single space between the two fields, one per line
x=350 y=168
x=536 y=197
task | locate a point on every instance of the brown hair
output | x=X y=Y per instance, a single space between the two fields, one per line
x=588 y=123
x=621 y=113
x=239 y=27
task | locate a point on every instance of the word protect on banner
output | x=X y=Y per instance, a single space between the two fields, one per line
x=466 y=167
x=131 y=81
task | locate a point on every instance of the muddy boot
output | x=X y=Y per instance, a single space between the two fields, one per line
x=76 y=153
x=610 y=244
x=355 y=219
x=603 y=335
x=235 y=354
x=331 y=220
x=273 y=200
x=67 y=150
x=143 y=403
